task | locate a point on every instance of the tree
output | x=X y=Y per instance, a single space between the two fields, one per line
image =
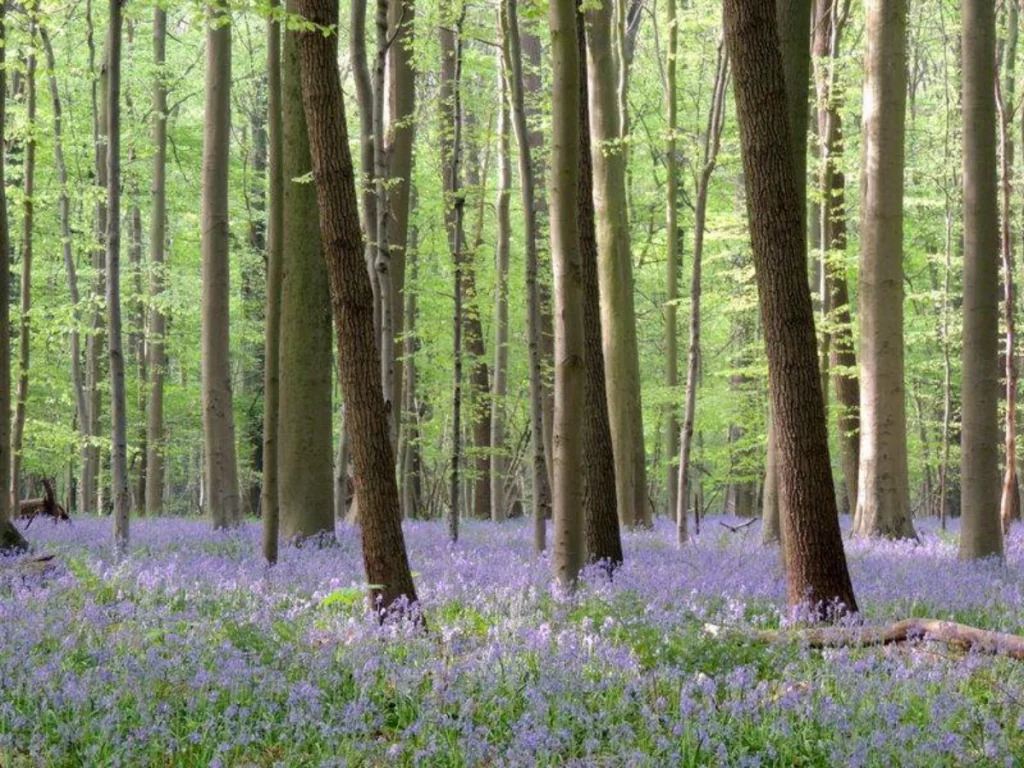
x=671 y=258
x=981 y=533
x=815 y=564
x=304 y=440
x=883 y=503
x=384 y=555
x=565 y=256
x=499 y=390
x=221 y=471
x=538 y=465
x=10 y=537
x=600 y=517
x=270 y=508
x=618 y=316
x=118 y=404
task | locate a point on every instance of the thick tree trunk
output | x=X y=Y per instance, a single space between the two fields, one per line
x=118 y=403
x=570 y=370
x=155 y=437
x=387 y=566
x=671 y=263
x=305 y=452
x=815 y=563
x=981 y=532
x=25 y=324
x=600 y=517
x=883 y=503
x=712 y=139
x=270 y=508
x=10 y=537
x=538 y=466
x=618 y=318
x=499 y=390
x=218 y=417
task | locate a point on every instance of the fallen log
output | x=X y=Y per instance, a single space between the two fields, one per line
x=30 y=566
x=46 y=506
x=959 y=636
x=740 y=527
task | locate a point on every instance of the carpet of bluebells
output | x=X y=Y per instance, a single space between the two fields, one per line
x=192 y=652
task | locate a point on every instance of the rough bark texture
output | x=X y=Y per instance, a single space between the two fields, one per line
x=600 y=517
x=981 y=533
x=270 y=508
x=565 y=256
x=155 y=437
x=384 y=555
x=618 y=317
x=815 y=563
x=538 y=465
x=118 y=405
x=221 y=471
x=499 y=389
x=883 y=503
x=305 y=452
x=10 y=536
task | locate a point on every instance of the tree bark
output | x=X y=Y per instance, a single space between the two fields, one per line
x=883 y=504
x=155 y=436
x=618 y=317
x=815 y=564
x=270 y=508
x=118 y=404
x=981 y=532
x=600 y=517
x=570 y=370
x=305 y=453
x=218 y=417
x=25 y=324
x=538 y=465
x=384 y=555
x=671 y=263
x=499 y=390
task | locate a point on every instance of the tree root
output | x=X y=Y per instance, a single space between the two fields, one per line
x=949 y=633
x=11 y=540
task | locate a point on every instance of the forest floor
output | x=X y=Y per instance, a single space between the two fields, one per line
x=191 y=652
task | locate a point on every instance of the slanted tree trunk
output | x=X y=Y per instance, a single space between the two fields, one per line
x=384 y=555
x=565 y=256
x=118 y=404
x=25 y=334
x=671 y=262
x=883 y=504
x=981 y=533
x=499 y=390
x=1009 y=506
x=538 y=467
x=618 y=318
x=815 y=563
x=155 y=437
x=10 y=537
x=218 y=418
x=270 y=508
x=711 y=143
x=600 y=518
x=305 y=445
x=842 y=360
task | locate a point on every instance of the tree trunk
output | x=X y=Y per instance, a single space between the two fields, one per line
x=981 y=532
x=815 y=564
x=499 y=390
x=270 y=508
x=24 y=337
x=1009 y=506
x=771 y=523
x=600 y=517
x=218 y=417
x=305 y=453
x=409 y=460
x=137 y=341
x=538 y=467
x=712 y=139
x=10 y=537
x=618 y=317
x=883 y=504
x=118 y=404
x=570 y=370
x=387 y=566
x=842 y=360
x=155 y=437
x=671 y=263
